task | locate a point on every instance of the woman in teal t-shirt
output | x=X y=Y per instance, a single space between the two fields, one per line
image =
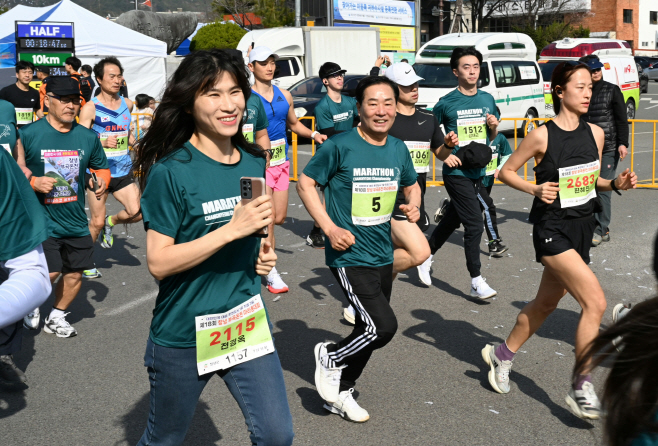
x=209 y=317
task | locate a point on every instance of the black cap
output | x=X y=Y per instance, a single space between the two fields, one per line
x=44 y=70
x=474 y=155
x=330 y=68
x=63 y=86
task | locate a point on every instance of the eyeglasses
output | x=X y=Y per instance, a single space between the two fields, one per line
x=67 y=99
x=337 y=75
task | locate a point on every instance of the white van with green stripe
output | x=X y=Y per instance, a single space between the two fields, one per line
x=618 y=66
x=509 y=72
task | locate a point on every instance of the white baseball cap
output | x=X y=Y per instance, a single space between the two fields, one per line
x=402 y=74
x=261 y=54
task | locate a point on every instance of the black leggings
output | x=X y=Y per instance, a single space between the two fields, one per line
x=368 y=289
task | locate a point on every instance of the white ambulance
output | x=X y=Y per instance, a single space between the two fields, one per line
x=619 y=66
x=509 y=72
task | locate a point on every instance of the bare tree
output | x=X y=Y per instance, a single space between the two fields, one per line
x=482 y=10
x=533 y=13
x=238 y=9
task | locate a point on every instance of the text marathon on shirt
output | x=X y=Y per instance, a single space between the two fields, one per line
x=219 y=209
x=473 y=112
x=376 y=173
x=340 y=117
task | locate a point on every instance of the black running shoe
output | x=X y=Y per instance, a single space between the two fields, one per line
x=496 y=248
x=438 y=215
x=315 y=240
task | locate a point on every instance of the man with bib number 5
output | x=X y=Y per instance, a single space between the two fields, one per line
x=108 y=114
x=472 y=114
x=361 y=170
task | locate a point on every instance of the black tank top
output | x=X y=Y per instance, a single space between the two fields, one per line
x=565 y=150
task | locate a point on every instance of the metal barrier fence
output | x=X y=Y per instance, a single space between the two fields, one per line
x=527 y=123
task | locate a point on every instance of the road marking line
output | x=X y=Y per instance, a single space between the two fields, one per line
x=301 y=152
x=297 y=245
x=653 y=106
x=130 y=305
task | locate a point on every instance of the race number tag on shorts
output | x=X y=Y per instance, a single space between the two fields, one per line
x=24 y=116
x=420 y=155
x=372 y=203
x=493 y=164
x=63 y=166
x=278 y=152
x=122 y=144
x=472 y=130
x=578 y=184
x=226 y=339
x=248 y=131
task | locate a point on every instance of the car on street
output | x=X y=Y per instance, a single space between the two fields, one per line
x=645 y=61
x=652 y=71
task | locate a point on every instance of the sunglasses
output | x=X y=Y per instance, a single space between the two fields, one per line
x=67 y=99
x=337 y=75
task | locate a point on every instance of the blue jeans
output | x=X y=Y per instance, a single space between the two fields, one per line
x=256 y=385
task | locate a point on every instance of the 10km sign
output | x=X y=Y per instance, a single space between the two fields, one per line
x=56 y=59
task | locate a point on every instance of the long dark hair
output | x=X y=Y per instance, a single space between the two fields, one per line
x=630 y=396
x=173 y=124
x=561 y=75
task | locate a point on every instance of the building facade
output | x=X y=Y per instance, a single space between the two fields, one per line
x=648 y=28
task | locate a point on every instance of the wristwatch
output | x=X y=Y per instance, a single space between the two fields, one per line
x=313 y=134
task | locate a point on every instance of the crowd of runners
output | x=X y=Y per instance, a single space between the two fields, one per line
x=222 y=116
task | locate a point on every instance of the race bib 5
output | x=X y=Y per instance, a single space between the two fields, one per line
x=372 y=203
x=578 y=184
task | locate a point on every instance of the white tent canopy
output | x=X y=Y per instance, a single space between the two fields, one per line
x=143 y=58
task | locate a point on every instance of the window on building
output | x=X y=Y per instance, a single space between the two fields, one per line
x=645 y=43
x=628 y=16
x=653 y=17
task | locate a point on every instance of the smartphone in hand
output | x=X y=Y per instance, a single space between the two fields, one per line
x=94 y=180
x=250 y=188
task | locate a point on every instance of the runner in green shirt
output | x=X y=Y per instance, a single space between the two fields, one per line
x=472 y=115
x=335 y=113
x=57 y=151
x=256 y=123
x=10 y=139
x=209 y=316
x=362 y=170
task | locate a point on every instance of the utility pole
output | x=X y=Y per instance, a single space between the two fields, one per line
x=298 y=13
x=440 y=17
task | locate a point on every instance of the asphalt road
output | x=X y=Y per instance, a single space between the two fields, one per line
x=427 y=387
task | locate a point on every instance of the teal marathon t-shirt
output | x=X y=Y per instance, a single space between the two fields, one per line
x=65 y=157
x=501 y=151
x=339 y=116
x=23 y=224
x=255 y=118
x=8 y=128
x=361 y=182
x=467 y=117
x=187 y=196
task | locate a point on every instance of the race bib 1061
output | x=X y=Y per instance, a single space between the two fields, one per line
x=420 y=155
x=278 y=152
x=226 y=339
x=372 y=203
x=63 y=166
x=578 y=184
x=472 y=130
x=122 y=144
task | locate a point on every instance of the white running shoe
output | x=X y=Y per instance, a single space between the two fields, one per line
x=584 y=403
x=350 y=315
x=274 y=283
x=482 y=290
x=424 y=271
x=60 y=327
x=31 y=321
x=619 y=311
x=348 y=408
x=498 y=370
x=327 y=379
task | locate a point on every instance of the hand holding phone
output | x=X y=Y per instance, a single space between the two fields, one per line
x=250 y=189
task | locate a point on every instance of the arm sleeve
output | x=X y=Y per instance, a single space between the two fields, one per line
x=98 y=160
x=323 y=118
x=408 y=175
x=27 y=287
x=621 y=118
x=324 y=164
x=162 y=203
x=438 y=138
x=261 y=122
x=374 y=71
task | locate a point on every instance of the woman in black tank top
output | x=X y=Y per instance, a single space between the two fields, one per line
x=567 y=151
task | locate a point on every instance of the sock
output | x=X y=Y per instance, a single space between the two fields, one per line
x=55 y=313
x=109 y=221
x=475 y=280
x=316 y=230
x=582 y=379
x=504 y=353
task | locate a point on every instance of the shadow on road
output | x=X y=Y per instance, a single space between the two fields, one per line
x=559 y=326
x=319 y=288
x=202 y=431
x=464 y=342
x=119 y=254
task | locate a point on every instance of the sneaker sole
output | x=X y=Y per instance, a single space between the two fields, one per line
x=498 y=253
x=275 y=291
x=48 y=330
x=332 y=409
x=492 y=369
x=595 y=244
x=348 y=317
x=318 y=372
x=309 y=242
x=495 y=293
x=615 y=312
x=573 y=406
x=420 y=277
x=28 y=327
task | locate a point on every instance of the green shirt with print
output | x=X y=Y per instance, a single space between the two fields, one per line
x=8 y=128
x=339 y=116
x=501 y=152
x=23 y=224
x=361 y=182
x=255 y=118
x=467 y=117
x=65 y=157
x=183 y=200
